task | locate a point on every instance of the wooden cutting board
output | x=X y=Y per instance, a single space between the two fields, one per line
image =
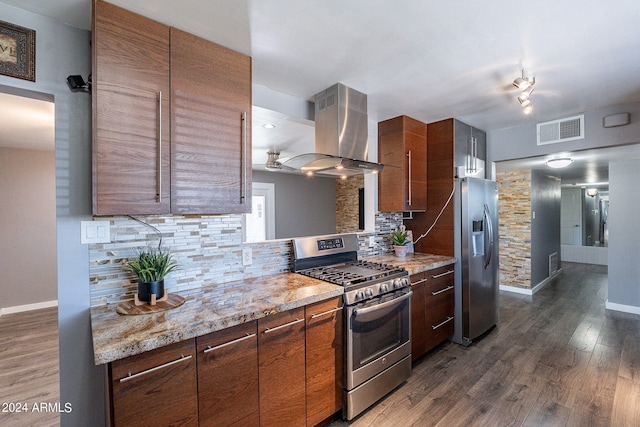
x=130 y=308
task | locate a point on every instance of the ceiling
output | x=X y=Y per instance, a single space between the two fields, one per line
x=429 y=60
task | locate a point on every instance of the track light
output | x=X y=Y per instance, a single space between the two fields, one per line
x=524 y=96
x=528 y=109
x=523 y=82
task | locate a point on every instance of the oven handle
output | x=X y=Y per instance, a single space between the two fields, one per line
x=388 y=304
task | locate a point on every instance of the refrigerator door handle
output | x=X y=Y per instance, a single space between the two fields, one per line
x=489 y=223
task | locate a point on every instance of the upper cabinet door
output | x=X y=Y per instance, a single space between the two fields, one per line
x=131 y=148
x=402 y=145
x=210 y=127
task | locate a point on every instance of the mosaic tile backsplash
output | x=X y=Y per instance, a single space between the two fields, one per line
x=208 y=250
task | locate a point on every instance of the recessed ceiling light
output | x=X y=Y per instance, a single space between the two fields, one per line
x=269 y=126
x=559 y=163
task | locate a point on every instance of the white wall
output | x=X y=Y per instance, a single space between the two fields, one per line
x=60 y=51
x=28 y=228
x=624 y=236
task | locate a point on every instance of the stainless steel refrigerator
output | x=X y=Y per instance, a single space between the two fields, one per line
x=476 y=248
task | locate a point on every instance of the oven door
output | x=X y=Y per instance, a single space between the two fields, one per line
x=378 y=335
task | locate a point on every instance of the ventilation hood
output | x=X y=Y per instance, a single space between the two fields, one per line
x=341 y=132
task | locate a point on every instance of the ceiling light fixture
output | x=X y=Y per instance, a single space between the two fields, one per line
x=269 y=126
x=562 y=162
x=523 y=82
x=592 y=192
x=272 y=161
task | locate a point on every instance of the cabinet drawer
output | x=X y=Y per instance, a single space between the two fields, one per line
x=228 y=366
x=159 y=384
x=440 y=278
x=439 y=319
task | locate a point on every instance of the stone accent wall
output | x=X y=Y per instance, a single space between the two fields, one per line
x=347 y=203
x=514 y=217
x=208 y=250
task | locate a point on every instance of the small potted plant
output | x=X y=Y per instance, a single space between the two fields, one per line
x=400 y=242
x=150 y=266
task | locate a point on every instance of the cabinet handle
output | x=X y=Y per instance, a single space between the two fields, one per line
x=159 y=178
x=314 y=316
x=268 y=330
x=448 y=288
x=419 y=281
x=442 y=274
x=449 y=319
x=243 y=155
x=148 y=371
x=409 y=156
x=246 y=337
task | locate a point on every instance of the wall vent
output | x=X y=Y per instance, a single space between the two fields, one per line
x=561 y=130
x=553 y=264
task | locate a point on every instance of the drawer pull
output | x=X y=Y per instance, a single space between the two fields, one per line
x=315 y=316
x=449 y=319
x=419 y=281
x=442 y=274
x=246 y=337
x=267 y=330
x=148 y=371
x=448 y=288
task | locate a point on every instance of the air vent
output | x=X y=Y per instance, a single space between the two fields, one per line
x=561 y=130
x=553 y=264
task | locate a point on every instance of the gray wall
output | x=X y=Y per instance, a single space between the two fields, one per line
x=624 y=234
x=28 y=227
x=60 y=51
x=305 y=206
x=545 y=228
x=520 y=142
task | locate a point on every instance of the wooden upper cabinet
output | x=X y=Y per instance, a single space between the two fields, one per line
x=131 y=151
x=402 y=145
x=210 y=127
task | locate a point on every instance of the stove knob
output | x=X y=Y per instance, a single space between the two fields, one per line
x=397 y=283
x=368 y=292
x=405 y=281
x=384 y=288
x=359 y=295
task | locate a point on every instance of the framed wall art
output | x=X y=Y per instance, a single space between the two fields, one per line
x=17 y=51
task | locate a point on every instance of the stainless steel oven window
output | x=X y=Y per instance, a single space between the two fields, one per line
x=377 y=329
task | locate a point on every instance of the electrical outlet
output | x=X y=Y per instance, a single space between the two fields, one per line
x=372 y=241
x=247 y=256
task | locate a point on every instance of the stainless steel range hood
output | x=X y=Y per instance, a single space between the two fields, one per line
x=341 y=133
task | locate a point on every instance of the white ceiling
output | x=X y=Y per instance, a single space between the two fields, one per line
x=429 y=60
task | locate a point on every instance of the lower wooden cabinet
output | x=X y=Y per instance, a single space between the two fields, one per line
x=282 y=370
x=156 y=388
x=432 y=308
x=324 y=356
x=281 y=367
x=228 y=377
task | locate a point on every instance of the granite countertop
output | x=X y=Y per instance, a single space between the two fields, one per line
x=414 y=262
x=206 y=310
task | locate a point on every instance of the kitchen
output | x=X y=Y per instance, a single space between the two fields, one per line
x=68 y=229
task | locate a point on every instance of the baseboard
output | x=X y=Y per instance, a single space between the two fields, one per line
x=622 y=308
x=28 y=307
x=532 y=291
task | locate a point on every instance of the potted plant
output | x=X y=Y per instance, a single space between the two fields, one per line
x=150 y=266
x=400 y=242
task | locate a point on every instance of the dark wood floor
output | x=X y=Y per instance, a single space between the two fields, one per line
x=557 y=359
x=29 y=369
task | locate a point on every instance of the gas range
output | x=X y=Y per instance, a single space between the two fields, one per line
x=334 y=259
